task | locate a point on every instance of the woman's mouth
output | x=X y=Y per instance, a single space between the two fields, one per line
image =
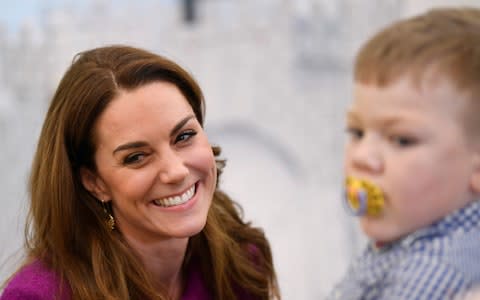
x=176 y=200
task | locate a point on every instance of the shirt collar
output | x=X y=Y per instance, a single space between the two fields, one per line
x=463 y=219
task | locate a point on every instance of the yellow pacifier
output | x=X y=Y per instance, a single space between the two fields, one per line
x=363 y=197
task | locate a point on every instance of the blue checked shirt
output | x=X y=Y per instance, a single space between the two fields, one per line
x=441 y=261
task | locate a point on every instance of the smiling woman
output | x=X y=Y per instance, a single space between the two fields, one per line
x=154 y=162
x=124 y=191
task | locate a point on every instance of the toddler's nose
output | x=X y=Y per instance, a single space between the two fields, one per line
x=365 y=155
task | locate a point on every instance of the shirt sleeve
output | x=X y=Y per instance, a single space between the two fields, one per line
x=424 y=277
x=19 y=294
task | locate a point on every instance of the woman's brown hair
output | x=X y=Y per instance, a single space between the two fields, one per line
x=66 y=224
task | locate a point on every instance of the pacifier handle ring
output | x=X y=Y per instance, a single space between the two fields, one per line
x=362 y=196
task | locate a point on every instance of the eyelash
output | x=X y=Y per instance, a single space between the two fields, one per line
x=133 y=158
x=355 y=132
x=137 y=156
x=403 y=141
x=185 y=136
x=398 y=140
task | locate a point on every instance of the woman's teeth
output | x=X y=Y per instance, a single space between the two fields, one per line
x=176 y=200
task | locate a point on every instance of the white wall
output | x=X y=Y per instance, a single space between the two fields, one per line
x=276 y=75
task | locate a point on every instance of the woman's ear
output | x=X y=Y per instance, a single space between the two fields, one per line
x=94 y=184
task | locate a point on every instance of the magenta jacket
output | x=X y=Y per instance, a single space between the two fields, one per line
x=36 y=282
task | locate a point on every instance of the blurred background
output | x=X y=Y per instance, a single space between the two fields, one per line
x=276 y=76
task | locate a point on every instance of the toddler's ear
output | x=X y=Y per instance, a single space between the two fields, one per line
x=475 y=178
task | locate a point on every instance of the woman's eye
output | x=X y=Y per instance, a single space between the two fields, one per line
x=133 y=158
x=355 y=133
x=185 y=136
x=403 y=141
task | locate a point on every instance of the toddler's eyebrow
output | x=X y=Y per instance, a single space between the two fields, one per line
x=352 y=116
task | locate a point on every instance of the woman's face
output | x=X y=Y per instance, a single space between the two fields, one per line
x=154 y=163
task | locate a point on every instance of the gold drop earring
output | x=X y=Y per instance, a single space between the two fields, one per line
x=110 y=222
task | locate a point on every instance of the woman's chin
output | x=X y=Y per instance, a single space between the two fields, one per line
x=189 y=229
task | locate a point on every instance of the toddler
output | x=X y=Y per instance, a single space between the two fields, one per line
x=414 y=136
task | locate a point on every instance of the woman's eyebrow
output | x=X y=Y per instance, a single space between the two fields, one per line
x=136 y=144
x=139 y=144
x=180 y=124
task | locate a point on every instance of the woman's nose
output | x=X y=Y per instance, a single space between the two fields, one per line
x=172 y=168
x=365 y=155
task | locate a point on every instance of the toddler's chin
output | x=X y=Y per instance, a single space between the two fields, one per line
x=378 y=232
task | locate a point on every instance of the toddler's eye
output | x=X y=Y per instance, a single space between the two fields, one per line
x=185 y=136
x=355 y=133
x=403 y=141
x=133 y=158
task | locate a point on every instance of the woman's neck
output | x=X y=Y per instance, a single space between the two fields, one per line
x=163 y=260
